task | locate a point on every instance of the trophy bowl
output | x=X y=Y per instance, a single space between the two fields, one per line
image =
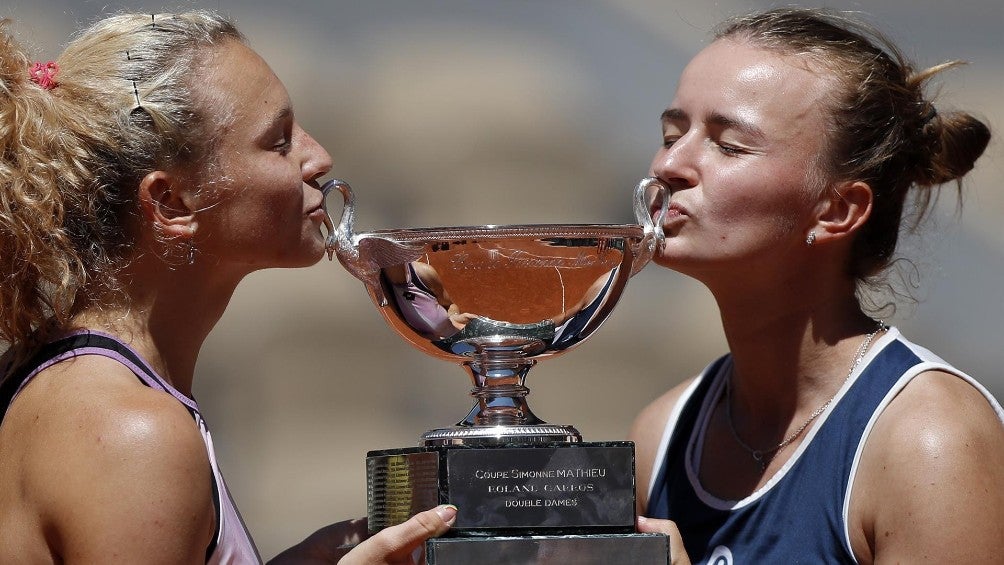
x=496 y=299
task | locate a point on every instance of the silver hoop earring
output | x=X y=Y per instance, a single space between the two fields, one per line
x=810 y=239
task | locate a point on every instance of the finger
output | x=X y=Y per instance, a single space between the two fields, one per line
x=677 y=551
x=396 y=543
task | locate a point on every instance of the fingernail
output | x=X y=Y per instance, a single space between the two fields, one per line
x=639 y=523
x=448 y=513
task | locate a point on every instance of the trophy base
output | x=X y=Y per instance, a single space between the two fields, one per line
x=513 y=489
x=533 y=550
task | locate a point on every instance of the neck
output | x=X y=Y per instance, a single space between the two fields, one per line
x=794 y=326
x=166 y=315
x=791 y=352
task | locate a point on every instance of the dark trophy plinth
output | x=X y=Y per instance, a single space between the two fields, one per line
x=566 y=488
x=496 y=299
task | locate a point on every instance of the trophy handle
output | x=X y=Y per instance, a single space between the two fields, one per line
x=361 y=255
x=654 y=236
x=339 y=238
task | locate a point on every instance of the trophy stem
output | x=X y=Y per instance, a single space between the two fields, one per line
x=501 y=413
x=499 y=377
x=501 y=395
x=503 y=405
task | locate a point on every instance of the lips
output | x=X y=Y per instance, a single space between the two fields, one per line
x=320 y=202
x=319 y=207
x=674 y=211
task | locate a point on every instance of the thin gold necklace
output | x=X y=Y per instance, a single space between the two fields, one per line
x=763 y=457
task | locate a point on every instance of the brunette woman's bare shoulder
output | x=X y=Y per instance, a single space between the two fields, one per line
x=646 y=432
x=928 y=485
x=651 y=421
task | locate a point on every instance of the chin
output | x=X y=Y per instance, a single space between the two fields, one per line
x=663 y=257
x=306 y=256
x=307 y=260
x=312 y=248
x=675 y=261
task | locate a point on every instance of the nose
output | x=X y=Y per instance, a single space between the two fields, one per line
x=676 y=165
x=316 y=161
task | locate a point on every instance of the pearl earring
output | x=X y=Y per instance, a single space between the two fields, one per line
x=810 y=239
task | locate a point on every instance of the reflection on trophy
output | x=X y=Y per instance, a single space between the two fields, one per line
x=496 y=299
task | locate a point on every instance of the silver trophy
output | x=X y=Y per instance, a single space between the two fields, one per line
x=496 y=299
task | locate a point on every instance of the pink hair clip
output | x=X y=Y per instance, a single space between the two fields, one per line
x=44 y=74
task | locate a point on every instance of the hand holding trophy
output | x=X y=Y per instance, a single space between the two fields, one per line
x=496 y=299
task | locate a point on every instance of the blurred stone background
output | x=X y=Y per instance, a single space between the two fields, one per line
x=447 y=112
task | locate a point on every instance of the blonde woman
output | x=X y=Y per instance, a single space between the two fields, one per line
x=143 y=174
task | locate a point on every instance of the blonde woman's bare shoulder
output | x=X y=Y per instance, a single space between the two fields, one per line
x=109 y=461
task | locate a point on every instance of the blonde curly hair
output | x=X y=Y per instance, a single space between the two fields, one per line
x=124 y=104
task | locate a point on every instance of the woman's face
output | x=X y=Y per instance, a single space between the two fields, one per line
x=266 y=210
x=741 y=143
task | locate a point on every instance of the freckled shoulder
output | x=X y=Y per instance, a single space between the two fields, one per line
x=110 y=462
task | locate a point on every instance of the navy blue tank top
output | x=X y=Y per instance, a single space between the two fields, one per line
x=800 y=515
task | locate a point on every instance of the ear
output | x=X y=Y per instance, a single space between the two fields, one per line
x=845 y=211
x=166 y=203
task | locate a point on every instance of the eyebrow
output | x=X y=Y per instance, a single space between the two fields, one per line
x=716 y=119
x=673 y=115
x=280 y=116
x=277 y=119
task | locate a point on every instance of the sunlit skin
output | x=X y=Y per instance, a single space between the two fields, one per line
x=743 y=151
x=740 y=140
x=267 y=212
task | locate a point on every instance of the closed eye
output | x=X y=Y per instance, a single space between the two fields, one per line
x=730 y=150
x=278 y=134
x=283 y=146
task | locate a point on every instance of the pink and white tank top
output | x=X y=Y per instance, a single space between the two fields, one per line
x=231 y=544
